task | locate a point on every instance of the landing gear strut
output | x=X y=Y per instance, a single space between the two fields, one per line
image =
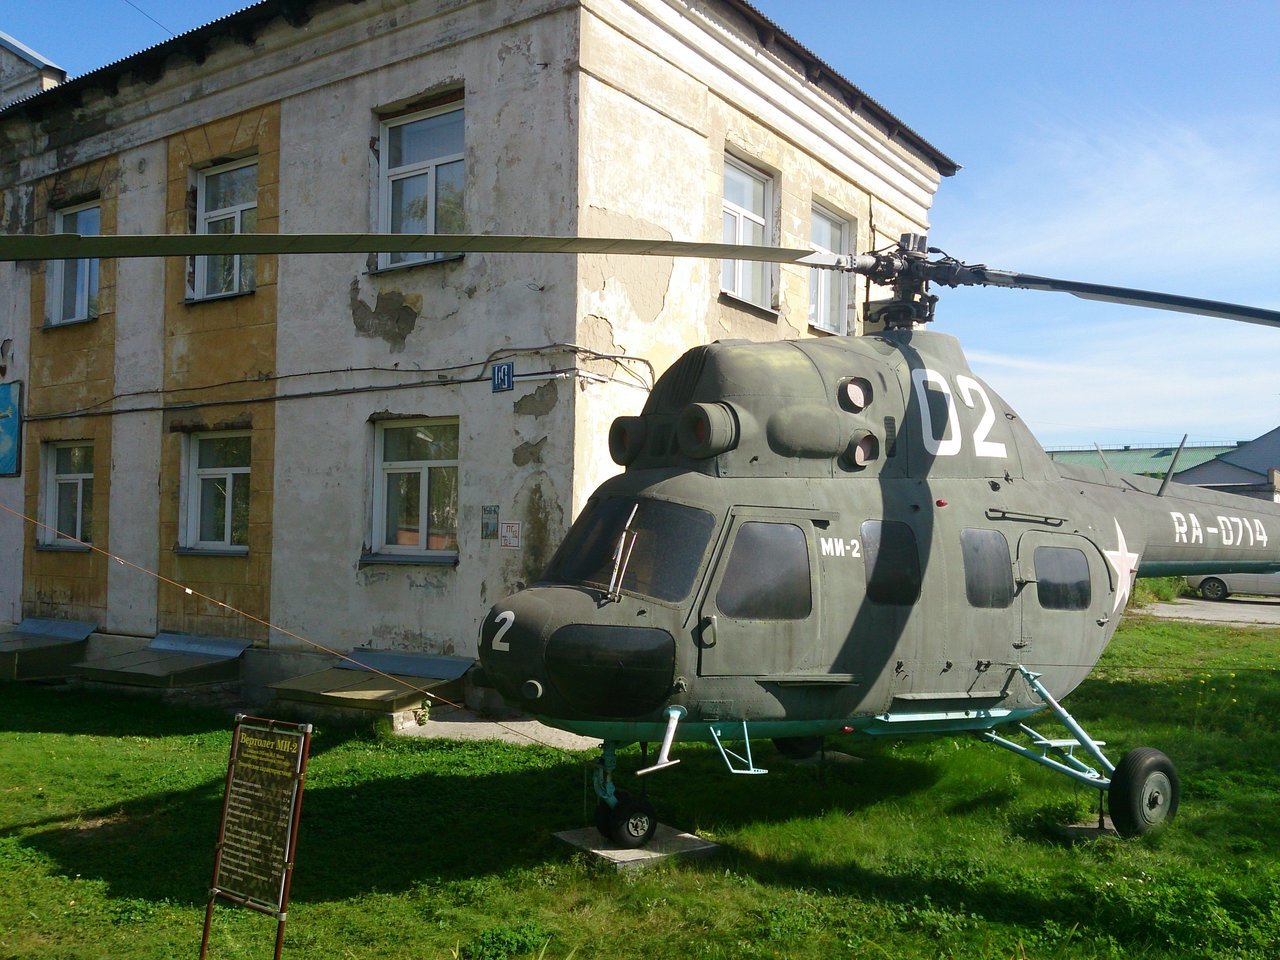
x=625 y=818
x=1142 y=789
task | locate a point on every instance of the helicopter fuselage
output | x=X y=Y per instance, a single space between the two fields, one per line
x=842 y=534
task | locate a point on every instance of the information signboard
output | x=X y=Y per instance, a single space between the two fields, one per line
x=253 y=863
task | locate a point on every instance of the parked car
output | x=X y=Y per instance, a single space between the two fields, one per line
x=1219 y=586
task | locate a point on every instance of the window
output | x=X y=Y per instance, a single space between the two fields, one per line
x=1062 y=578
x=415 y=498
x=892 y=562
x=422 y=177
x=767 y=577
x=988 y=572
x=226 y=203
x=829 y=289
x=73 y=284
x=218 y=491
x=662 y=560
x=747 y=201
x=68 y=493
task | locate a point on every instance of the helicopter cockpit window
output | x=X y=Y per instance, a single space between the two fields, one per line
x=892 y=562
x=660 y=563
x=1062 y=578
x=988 y=571
x=767 y=576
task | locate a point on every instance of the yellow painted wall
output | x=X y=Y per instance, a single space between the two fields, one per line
x=72 y=369
x=214 y=353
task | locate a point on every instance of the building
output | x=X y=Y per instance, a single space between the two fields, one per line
x=1145 y=460
x=1251 y=469
x=321 y=443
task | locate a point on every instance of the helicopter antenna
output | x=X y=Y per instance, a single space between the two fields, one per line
x=1173 y=465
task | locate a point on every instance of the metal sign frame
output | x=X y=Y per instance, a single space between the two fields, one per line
x=258 y=829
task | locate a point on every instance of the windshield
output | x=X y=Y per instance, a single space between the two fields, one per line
x=670 y=540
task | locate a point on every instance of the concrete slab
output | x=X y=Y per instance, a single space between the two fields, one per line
x=667 y=842
x=450 y=724
x=1242 y=610
x=1088 y=830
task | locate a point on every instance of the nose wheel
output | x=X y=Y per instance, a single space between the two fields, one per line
x=630 y=823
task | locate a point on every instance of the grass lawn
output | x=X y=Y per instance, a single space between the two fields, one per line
x=423 y=849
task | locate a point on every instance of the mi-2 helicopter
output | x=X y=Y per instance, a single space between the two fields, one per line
x=847 y=534
x=854 y=535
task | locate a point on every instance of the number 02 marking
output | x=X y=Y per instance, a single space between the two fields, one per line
x=972 y=394
x=505 y=619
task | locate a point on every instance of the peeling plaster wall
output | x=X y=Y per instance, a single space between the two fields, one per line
x=667 y=91
x=416 y=339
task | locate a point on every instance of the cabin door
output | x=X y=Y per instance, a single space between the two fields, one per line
x=760 y=612
x=1066 y=591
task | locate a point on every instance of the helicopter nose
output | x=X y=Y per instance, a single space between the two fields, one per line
x=544 y=654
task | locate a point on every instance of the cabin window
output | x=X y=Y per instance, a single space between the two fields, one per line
x=68 y=493
x=892 y=562
x=227 y=203
x=1062 y=578
x=415 y=495
x=73 y=284
x=748 y=200
x=988 y=571
x=422 y=174
x=659 y=562
x=767 y=576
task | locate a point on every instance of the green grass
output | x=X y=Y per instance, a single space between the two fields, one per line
x=410 y=849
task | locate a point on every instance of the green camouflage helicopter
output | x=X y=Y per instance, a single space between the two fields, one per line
x=846 y=534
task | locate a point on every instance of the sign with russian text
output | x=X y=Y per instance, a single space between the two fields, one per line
x=253 y=864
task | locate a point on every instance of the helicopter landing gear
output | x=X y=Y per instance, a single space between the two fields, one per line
x=1142 y=790
x=625 y=818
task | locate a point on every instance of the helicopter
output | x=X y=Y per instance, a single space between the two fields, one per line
x=838 y=535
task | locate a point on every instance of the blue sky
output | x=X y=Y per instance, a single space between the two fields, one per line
x=1130 y=143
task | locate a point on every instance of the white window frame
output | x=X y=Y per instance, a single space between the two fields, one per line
x=235 y=213
x=381 y=473
x=50 y=533
x=388 y=175
x=194 y=475
x=735 y=275
x=84 y=272
x=824 y=285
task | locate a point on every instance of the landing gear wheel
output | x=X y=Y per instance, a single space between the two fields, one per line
x=1144 y=792
x=798 y=748
x=631 y=824
x=1213 y=589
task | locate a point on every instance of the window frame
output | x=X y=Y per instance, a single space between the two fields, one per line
x=193 y=477
x=388 y=175
x=87 y=272
x=740 y=271
x=50 y=533
x=203 y=217
x=419 y=552
x=824 y=283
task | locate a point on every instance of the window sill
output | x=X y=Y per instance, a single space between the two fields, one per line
x=733 y=300
x=408 y=559
x=64 y=547
x=192 y=301
x=409 y=264
x=59 y=324
x=211 y=551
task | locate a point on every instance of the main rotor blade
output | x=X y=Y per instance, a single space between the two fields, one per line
x=71 y=246
x=1126 y=295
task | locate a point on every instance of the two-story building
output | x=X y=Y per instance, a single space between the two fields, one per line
x=322 y=443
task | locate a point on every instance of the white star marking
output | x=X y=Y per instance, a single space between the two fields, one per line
x=1125 y=565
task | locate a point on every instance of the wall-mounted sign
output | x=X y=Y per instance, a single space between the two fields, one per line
x=10 y=429
x=489 y=521
x=504 y=376
x=509 y=534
